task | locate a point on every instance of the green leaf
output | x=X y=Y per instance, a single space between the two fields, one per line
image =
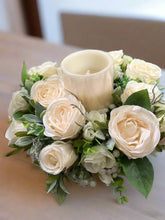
x=117 y=96
x=39 y=109
x=140 y=174
x=121 y=189
x=19 y=115
x=60 y=196
x=62 y=185
x=140 y=98
x=36 y=77
x=28 y=85
x=21 y=133
x=24 y=73
x=25 y=96
x=24 y=141
x=51 y=187
x=13 y=152
x=121 y=199
x=117 y=181
x=32 y=118
x=51 y=179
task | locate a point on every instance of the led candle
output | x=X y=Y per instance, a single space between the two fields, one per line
x=89 y=75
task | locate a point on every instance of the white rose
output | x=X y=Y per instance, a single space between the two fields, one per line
x=63 y=118
x=105 y=178
x=135 y=130
x=133 y=86
x=46 y=69
x=95 y=162
x=139 y=69
x=56 y=157
x=15 y=126
x=47 y=91
x=118 y=60
x=99 y=116
x=88 y=132
x=117 y=56
x=17 y=103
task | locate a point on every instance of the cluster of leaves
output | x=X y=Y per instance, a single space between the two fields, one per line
x=27 y=80
x=119 y=188
x=121 y=82
x=33 y=139
x=56 y=184
x=84 y=147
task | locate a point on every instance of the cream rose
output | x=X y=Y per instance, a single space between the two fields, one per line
x=133 y=86
x=95 y=162
x=17 y=103
x=46 y=69
x=47 y=91
x=56 y=157
x=117 y=56
x=135 y=130
x=15 y=126
x=64 y=118
x=139 y=69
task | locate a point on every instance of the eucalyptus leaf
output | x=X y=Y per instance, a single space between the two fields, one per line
x=117 y=96
x=24 y=73
x=24 y=141
x=19 y=115
x=32 y=118
x=140 y=98
x=62 y=185
x=28 y=85
x=139 y=173
x=38 y=109
x=60 y=195
x=51 y=179
x=21 y=133
x=51 y=187
x=13 y=152
x=25 y=96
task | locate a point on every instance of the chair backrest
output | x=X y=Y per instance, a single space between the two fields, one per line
x=143 y=39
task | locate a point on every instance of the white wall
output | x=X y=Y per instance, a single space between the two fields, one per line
x=4 y=22
x=50 y=12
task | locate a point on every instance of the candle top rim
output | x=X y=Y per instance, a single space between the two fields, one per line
x=92 y=51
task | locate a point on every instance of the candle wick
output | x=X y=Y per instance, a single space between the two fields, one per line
x=88 y=72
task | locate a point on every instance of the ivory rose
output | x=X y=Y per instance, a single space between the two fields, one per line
x=135 y=130
x=56 y=157
x=95 y=162
x=15 y=126
x=63 y=118
x=133 y=86
x=117 y=56
x=46 y=69
x=47 y=91
x=139 y=69
x=17 y=103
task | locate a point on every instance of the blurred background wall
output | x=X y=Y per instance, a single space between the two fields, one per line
x=137 y=26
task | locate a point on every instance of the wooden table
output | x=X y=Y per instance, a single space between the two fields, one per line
x=22 y=189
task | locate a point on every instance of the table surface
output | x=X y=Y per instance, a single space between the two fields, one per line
x=22 y=185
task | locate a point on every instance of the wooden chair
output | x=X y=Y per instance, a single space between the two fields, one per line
x=143 y=39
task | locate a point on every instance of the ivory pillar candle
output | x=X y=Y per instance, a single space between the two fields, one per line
x=89 y=75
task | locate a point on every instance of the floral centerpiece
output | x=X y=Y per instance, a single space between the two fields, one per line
x=95 y=117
